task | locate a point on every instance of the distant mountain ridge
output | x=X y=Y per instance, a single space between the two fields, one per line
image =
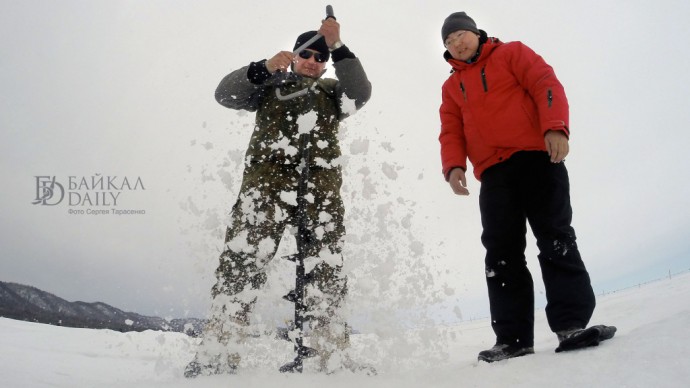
x=27 y=303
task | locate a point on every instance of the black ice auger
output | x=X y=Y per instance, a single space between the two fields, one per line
x=305 y=239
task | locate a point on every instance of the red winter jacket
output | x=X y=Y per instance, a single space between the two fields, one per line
x=502 y=103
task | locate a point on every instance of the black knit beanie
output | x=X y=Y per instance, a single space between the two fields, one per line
x=319 y=45
x=457 y=21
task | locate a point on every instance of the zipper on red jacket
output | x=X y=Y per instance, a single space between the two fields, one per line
x=549 y=97
x=486 y=88
x=462 y=87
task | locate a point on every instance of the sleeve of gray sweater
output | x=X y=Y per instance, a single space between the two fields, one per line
x=353 y=89
x=235 y=91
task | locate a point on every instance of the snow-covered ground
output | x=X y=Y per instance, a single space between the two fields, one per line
x=651 y=348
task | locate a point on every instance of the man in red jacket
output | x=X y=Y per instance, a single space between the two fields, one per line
x=504 y=110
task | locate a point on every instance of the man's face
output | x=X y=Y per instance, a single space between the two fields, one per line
x=462 y=45
x=309 y=67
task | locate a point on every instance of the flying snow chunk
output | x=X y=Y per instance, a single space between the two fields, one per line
x=284 y=144
x=306 y=122
x=321 y=162
x=348 y=106
x=330 y=258
x=387 y=146
x=240 y=243
x=359 y=146
x=325 y=217
x=266 y=247
x=389 y=171
x=289 y=197
x=129 y=322
x=406 y=222
x=279 y=214
x=417 y=248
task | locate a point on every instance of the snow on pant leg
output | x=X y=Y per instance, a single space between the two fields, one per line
x=569 y=294
x=324 y=298
x=258 y=219
x=326 y=292
x=510 y=285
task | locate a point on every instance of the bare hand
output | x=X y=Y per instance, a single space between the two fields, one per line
x=279 y=62
x=330 y=29
x=458 y=182
x=556 y=145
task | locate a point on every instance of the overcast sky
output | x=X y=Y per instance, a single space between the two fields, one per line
x=124 y=89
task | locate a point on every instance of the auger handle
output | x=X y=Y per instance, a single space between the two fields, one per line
x=329 y=14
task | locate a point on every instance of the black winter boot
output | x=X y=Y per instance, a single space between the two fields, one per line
x=502 y=352
x=581 y=338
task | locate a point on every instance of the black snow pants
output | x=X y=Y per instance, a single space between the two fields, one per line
x=528 y=187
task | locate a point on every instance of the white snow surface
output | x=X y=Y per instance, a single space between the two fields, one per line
x=651 y=348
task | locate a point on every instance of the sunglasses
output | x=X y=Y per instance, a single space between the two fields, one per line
x=318 y=57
